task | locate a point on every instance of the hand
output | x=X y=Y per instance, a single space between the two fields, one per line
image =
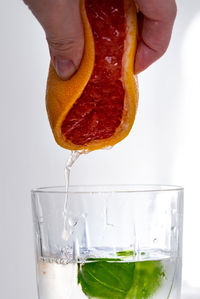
x=155 y=19
x=62 y=23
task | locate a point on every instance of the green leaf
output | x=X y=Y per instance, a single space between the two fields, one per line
x=125 y=253
x=148 y=278
x=103 y=279
x=100 y=259
x=112 y=279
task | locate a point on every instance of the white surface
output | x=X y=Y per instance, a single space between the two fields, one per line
x=190 y=293
x=162 y=148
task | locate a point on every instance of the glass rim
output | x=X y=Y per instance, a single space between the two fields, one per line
x=109 y=188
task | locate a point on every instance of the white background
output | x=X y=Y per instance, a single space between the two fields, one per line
x=163 y=147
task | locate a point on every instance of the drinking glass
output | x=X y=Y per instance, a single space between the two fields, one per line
x=110 y=242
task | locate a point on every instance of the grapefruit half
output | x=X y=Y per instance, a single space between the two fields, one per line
x=96 y=107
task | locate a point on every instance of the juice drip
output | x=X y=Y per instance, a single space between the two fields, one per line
x=73 y=223
x=71 y=160
x=68 y=221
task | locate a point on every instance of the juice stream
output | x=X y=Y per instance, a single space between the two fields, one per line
x=71 y=160
x=74 y=155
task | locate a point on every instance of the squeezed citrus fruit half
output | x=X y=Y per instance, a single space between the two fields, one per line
x=96 y=107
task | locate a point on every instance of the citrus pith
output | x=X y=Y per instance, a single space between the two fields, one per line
x=96 y=108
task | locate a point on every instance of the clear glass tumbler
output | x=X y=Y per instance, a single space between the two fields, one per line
x=110 y=242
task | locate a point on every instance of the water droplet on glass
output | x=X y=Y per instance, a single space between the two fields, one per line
x=173 y=229
x=72 y=221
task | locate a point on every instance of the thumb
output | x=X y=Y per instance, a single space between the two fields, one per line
x=64 y=33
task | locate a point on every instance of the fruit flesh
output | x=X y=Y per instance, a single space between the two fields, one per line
x=98 y=112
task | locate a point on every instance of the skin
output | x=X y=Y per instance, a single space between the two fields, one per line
x=62 y=24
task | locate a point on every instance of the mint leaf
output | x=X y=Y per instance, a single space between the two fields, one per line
x=100 y=259
x=106 y=279
x=103 y=279
x=147 y=280
x=125 y=253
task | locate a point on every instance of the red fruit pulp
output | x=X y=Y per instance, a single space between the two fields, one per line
x=98 y=111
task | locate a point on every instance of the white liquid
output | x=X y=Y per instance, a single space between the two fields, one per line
x=57 y=281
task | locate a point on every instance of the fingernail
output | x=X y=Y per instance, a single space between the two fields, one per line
x=64 y=68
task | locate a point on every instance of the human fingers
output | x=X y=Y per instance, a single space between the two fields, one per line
x=156 y=19
x=62 y=23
